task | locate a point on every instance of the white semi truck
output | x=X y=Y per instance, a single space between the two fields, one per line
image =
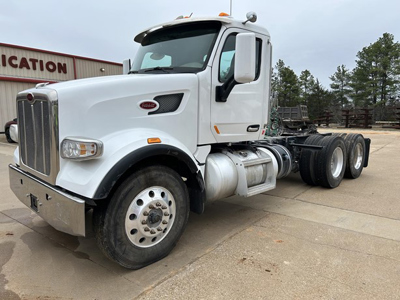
x=185 y=126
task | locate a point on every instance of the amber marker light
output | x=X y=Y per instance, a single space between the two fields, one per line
x=216 y=129
x=222 y=14
x=153 y=141
x=82 y=147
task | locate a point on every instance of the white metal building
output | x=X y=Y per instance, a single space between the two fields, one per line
x=22 y=68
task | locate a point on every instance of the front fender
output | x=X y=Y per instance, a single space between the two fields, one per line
x=95 y=178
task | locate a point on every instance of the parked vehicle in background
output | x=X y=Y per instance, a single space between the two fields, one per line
x=7 y=131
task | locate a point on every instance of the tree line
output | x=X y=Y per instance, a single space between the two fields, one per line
x=373 y=83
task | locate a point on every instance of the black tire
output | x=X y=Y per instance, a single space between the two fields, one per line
x=343 y=135
x=355 y=146
x=156 y=196
x=330 y=162
x=306 y=165
x=8 y=137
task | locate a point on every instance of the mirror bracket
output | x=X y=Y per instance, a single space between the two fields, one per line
x=223 y=91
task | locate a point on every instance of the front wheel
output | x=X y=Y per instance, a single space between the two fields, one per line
x=144 y=219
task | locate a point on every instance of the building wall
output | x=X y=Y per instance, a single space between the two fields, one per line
x=8 y=91
x=15 y=62
x=93 y=68
x=22 y=68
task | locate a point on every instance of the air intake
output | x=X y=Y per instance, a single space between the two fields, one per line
x=168 y=103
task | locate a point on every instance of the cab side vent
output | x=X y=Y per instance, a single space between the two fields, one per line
x=168 y=103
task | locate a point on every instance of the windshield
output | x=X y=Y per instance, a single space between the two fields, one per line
x=180 y=49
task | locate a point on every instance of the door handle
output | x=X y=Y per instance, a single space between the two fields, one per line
x=253 y=128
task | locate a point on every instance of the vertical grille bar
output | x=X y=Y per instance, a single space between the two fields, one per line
x=21 y=122
x=43 y=143
x=35 y=147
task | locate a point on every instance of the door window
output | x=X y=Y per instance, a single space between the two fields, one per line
x=227 y=60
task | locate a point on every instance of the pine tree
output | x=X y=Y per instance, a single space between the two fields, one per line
x=307 y=82
x=320 y=101
x=375 y=79
x=285 y=85
x=341 y=85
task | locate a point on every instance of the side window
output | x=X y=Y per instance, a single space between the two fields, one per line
x=258 y=57
x=153 y=60
x=227 y=60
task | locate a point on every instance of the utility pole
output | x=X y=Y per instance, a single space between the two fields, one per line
x=230 y=12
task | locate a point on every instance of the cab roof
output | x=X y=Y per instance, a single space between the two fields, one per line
x=228 y=21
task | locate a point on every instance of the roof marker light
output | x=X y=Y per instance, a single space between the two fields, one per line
x=222 y=14
x=153 y=140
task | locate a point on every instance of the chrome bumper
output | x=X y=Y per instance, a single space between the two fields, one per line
x=64 y=212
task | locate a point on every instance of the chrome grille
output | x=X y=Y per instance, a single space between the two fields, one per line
x=38 y=138
x=34 y=125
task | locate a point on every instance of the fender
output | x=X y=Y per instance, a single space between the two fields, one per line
x=95 y=178
x=135 y=157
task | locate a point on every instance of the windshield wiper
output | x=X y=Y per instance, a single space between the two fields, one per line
x=133 y=72
x=164 y=69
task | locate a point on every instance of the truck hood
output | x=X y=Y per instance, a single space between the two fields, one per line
x=114 y=86
x=96 y=107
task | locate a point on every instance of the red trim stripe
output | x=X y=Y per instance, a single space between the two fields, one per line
x=61 y=54
x=26 y=80
x=74 y=62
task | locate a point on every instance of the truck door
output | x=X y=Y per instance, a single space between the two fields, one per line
x=241 y=117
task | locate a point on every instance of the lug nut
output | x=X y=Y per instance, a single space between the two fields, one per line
x=144 y=222
x=158 y=204
x=151 y=206
x=164 y=222
x=152 y=231
x=146 y=229
x=159 y=228
x=164 y=207
x=145 y=213
x=166 y=214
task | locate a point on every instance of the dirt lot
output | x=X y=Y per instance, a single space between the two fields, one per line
x=295 y=242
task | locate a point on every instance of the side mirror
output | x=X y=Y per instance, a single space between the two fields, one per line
x=126 y=66
x=245 y=57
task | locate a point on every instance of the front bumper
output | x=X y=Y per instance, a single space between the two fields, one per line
x=64 y=212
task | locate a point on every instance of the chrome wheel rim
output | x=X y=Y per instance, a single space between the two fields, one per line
x=150 y=216
x=358 y=156
x=337 y=162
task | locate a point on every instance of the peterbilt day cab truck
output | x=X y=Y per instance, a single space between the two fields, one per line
x=185 y=126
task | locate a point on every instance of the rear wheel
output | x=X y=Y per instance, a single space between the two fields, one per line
x=330 y=162
x=145 y=218
x=355 y=146
x=306 y=165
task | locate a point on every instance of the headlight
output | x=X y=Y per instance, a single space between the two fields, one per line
x=81 y=148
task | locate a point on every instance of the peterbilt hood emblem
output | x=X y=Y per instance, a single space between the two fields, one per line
x=149 y=105
x=31 y=98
